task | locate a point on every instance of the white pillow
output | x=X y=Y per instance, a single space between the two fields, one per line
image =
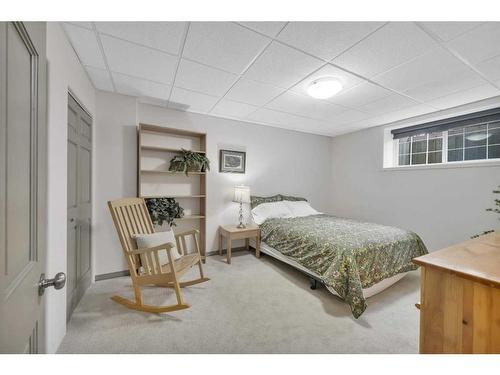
x=270 y=210
x=156 y=239
x=300 y=208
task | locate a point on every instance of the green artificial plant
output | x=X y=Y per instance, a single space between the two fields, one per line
x=164 y=210
x=189 y=161
x=495 y=210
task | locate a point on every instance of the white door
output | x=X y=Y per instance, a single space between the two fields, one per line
x=23 y=195
x=79 y=203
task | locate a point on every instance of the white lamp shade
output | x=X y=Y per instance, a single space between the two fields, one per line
x=241 y=194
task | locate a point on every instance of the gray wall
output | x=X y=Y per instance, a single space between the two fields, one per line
x=443 y=205
x=278 y=160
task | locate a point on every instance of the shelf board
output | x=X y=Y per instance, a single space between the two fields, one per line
x=167 y=149
x=161 y=129
x=169 y=172
x=174 y=196
x=191 y=217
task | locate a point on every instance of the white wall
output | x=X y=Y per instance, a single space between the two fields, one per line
x=64 y=73
x=443 y=205
x=115 y=173
x=278 y=161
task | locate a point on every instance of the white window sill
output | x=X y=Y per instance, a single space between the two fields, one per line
x=460 y=164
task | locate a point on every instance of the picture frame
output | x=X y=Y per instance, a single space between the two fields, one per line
x=232 y=161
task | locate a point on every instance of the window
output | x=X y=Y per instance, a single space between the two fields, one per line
x=463 y=138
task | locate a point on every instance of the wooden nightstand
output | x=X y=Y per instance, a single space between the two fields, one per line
x=231 y=232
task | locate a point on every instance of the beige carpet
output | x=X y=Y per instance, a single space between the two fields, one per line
x=251 y=306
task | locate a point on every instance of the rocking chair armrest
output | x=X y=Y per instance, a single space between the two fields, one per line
x=187 y=233
x=182 y=244
x=165 y=246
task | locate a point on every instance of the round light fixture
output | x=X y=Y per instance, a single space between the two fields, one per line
x=324 y=88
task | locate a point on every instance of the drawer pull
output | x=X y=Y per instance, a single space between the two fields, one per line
x=464 y=322
x=417 y=305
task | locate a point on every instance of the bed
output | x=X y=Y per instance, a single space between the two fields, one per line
x=353 y=259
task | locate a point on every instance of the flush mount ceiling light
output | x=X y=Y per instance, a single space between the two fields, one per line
x=324 y=88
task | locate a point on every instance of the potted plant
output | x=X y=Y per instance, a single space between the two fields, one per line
x=495 y=210
x=189 y=161
x=164 y=209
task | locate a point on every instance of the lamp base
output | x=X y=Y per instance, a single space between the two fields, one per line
x=241 y=225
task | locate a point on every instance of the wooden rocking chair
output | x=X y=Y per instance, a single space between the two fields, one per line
x=131 y=216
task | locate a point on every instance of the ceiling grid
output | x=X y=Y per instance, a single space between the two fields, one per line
x=258 y=71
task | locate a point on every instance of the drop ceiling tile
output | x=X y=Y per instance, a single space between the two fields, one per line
x=100 y=78
x=266 y=116
x=446 y=85
x=466 y=96
x=85 y=44
x=348 y=80
x=348 y=116
x=490 y=68
x=194 y=101
x=447 y=31
x=251 y=92
x=233 y=109
x=390 y=103
x=360 y=95
x=142 y=62
x=282 y=119
x=385 y=118
x=201 y=78
x=408 y=112
x=139 y=87
x=390 y=46
x=224 y=45
x=326 y=39
x=305 y=106
x=282 y=66
x=362 y=124
x=479 y=44
x=429 y=76
x=152 y=101
x=427 y=67
x=165 y=36
x=268 y=28
x=87 y=25
x=334 y=132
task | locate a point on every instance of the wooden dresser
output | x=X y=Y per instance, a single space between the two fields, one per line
x=460 y=298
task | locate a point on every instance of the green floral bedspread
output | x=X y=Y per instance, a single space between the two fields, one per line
x=348 y=255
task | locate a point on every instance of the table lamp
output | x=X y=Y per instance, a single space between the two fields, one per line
x=241 y=195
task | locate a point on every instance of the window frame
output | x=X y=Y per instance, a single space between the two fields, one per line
x=445 y=150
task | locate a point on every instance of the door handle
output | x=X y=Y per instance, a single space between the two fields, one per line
x=57 y=282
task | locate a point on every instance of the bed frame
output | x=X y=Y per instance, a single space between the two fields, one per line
x=315 y=280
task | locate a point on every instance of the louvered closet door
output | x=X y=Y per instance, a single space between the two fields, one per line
x=79 y=203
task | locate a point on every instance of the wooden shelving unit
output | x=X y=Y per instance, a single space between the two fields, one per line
x=168 y=172
x=191 y=217
x=155 y=148
x=157 y=145
x=175 y=196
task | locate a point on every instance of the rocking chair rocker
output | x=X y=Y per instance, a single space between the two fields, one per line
x=131 y=217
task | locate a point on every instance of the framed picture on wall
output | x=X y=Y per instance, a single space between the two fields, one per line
x=232 y=161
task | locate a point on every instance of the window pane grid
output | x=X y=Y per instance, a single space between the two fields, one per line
x=473 y=142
